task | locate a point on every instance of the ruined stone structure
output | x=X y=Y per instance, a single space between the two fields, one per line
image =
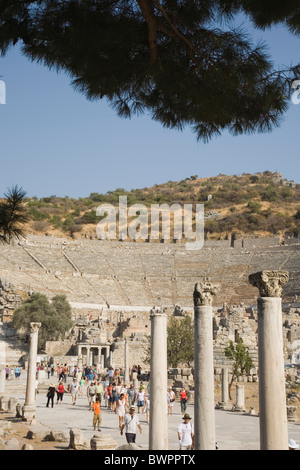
x=113 y=285
x=9 y=300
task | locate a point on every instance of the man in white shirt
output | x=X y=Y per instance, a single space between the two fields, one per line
x=130 y=423
x=185 y=432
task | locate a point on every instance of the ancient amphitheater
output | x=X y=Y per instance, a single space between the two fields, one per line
x=103 y=278
x=127 y=274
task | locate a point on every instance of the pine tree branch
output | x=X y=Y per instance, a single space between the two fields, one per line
x=150 y=19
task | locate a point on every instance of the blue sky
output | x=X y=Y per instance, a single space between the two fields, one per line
x=55 y=142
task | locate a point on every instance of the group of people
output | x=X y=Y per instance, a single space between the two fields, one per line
x=125 y=401
x=12 y=372
x=119 y=398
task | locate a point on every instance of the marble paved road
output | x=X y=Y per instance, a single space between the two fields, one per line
x=234 y=431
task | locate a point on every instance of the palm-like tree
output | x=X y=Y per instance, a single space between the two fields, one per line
x=13 y=214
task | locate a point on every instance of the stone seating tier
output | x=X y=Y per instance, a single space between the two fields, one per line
x=143 y=274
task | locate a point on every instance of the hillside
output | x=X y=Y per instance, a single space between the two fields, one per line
x=261 y=204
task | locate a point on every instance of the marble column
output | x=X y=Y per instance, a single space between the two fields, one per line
x=225 y=404
x=158 y=433
x=29 y=408
x=240 y=398
x=126 y=367
x=88 y=355
x=204 y=411
x=2 y=379
x=272 y=395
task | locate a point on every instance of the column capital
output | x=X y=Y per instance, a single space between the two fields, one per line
x=204 y=292
x=158 y=311
x=269 y=283
x=34 y=327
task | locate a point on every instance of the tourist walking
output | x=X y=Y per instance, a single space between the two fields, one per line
x=131 y=394
x=108 y=395
x=81 y=385
x=114 y=397
x=99 y=390
x=97 y=414
x=121 y=404
x=183 y=400
x=74 y=389
x=60 y=392
x=171 y=400
x=131 y=423
x=140 y=398
x=186 y=433
x=91 y=394
x=50 y=395
x=17 y=372
x=148 y=409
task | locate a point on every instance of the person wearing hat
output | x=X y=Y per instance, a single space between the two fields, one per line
x=130 y=423
x=293 y=444
x=171 y=400
x=50 y=395
x=185 y=432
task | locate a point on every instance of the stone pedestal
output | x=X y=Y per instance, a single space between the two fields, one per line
x=158 y=433
x=204 y=414
x=292 y=414
x=102 y=442
x=272 y=396
x=29 y=408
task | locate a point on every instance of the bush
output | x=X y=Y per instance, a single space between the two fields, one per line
x=270 y=195
x=254 y=206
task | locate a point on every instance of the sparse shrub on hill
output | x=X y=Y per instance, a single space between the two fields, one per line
x=261 y=203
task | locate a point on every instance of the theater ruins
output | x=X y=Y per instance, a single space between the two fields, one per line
x=113 y=285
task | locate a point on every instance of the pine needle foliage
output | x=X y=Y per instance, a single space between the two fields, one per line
x=180 y=61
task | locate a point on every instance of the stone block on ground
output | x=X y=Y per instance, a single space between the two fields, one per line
x=77 y=440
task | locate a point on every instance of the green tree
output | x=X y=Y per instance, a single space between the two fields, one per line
x=180 y=341
x=242 y=361
x=181 y=61
x=55 y=317
x=13 y=215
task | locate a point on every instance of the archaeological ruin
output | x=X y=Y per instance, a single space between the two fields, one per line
x=113 y=285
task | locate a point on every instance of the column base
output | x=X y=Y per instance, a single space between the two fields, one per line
x=29 y=413
x=223 y=406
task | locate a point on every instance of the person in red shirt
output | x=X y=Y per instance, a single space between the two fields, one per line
x=108 y=392
x=60 y=392
x=183 y=400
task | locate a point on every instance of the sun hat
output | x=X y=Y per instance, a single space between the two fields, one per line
x=187 y=416
x=293 y=444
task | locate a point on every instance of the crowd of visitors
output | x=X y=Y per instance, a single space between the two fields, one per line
x=110 y=391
